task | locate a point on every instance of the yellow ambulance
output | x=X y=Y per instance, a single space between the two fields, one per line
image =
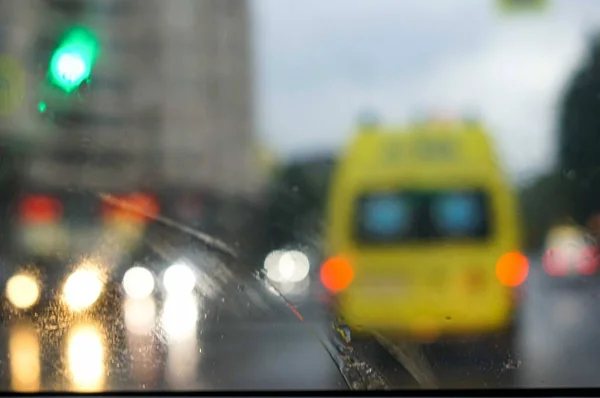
x=423 y=235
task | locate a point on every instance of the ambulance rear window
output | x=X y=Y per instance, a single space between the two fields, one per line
x=391 y=217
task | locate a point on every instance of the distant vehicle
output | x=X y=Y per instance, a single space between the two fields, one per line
x=423 y=237
x=570 y=253
x=295 y=208
x=65 y=243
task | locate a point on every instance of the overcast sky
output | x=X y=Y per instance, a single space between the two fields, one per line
x=320 y=62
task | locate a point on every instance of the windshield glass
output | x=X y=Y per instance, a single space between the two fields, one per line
x=299 y=194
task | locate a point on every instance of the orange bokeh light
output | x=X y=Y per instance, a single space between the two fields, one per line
x=138 y=207
x=512 y=269
x=337 y=274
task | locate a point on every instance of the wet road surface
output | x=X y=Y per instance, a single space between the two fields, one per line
x=558 y=343
x=560 y=339
x=229 y=334
x=234 y=332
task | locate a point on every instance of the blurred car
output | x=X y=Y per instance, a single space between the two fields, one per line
x=570 y=254
x=69 y=248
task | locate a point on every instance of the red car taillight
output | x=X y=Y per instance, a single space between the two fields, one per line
x=557 y=263
x=588 y=261
x=40 y=209
x=553 y=263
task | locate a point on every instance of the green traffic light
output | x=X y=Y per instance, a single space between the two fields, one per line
x=73 y=60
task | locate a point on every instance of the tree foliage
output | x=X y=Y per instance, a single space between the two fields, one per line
x=297 y=199
x=579 y=137
x=543 y=205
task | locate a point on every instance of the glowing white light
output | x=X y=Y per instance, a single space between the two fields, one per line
x=138 y=282
x=272 y=266
x=287 y=266
x=180 y=316
x=24 y=354
x=140 y=315
x=180 y=323
x=82 y=289
x=85 y=357
x=22 y=291
x=179 y=279
x=71 y=67
x=294 y=266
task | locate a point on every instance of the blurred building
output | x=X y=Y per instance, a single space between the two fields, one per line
x=206 y=76
x=169 y=103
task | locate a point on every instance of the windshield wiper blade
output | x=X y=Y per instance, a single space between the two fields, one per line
x=204 y=238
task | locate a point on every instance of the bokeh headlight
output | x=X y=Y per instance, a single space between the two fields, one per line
x=23 y=291
x=287 y=266
x=179 y=279
x=82 y=288
x=138 y=282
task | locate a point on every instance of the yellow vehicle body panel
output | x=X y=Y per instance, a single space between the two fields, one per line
x=423 y=288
